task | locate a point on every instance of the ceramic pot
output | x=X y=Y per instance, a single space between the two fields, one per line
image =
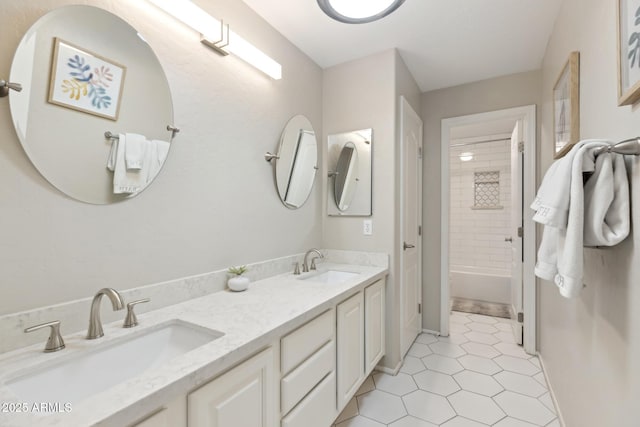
x=238 y=283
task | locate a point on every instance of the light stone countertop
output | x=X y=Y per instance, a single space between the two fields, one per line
x=250 y=321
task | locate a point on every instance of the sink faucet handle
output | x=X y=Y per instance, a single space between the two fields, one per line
x=296 y=268
x=55 y=341
x=313 y=263
x=131 y=320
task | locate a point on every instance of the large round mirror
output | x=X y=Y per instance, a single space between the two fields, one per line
x=86 y=72
x=346 y=176
x=297 y=162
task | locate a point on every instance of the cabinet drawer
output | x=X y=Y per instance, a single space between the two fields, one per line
x=304 y=378
x=318 y=409
x=306 y=340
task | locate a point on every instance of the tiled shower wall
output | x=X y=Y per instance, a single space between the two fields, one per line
x=477 y=235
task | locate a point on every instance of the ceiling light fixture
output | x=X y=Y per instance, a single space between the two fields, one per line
x=218 y=36
x=466 y=156
x=358 y=11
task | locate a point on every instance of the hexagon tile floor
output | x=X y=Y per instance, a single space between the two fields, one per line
x=476 y=377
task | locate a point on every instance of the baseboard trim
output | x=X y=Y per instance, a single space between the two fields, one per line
x=429 y=331
x=391 y=371
x=553 y=395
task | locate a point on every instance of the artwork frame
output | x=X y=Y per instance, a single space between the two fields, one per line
x=85 y=81
x=566 y=106
x=628 y=38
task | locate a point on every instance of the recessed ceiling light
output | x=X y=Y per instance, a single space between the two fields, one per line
x=466 y=156
x=358 y=11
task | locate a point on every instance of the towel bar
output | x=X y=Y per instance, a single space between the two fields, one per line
x=629 y=147
x=172 y=129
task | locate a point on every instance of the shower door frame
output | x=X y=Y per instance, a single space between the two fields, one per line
x=528 y=116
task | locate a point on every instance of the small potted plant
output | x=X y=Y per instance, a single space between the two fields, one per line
x=237 y=282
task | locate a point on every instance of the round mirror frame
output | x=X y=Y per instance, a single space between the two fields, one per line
x=297 y=142
x=66 y=144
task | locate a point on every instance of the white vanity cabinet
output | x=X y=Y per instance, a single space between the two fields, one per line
x=350 y=356
x=308 y=384
x=374 y=308
x=361 y=339
x=173 y=414
x=245 y=396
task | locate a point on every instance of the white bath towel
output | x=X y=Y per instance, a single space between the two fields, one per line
x=552 y=199
x=156 y=154
x=124 y=181
x=607 y=210
x=134 y=152
x=560 y=256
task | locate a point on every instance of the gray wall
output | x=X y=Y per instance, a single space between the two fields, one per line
x=214 y=203
x=590 y=345
x=361 y=94
x=488 y=95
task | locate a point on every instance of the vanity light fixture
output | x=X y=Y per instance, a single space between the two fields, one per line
x=358 y=11
x=218 y=36
x=466 y=156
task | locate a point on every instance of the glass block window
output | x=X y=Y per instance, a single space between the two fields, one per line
x=487 y=190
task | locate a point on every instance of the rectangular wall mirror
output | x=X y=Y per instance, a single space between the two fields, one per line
x=349 y=163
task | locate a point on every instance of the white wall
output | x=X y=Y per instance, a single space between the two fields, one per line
x=364 y=94
x=591 y=345
x=488 y=95
x=213 y=205
x=476 y=236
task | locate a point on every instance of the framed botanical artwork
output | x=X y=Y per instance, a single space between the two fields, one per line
x=628 y=51
x=566 y=106
x=85 y=81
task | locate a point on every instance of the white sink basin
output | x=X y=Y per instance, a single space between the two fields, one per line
x=81 y=376
x=331 y=277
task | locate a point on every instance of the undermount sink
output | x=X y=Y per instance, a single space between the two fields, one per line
x=81 y=376
x=331 y=277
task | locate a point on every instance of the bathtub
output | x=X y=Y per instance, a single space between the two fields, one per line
x=484 y=284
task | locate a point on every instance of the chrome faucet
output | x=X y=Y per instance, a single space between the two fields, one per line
x=305 y=264
x=95 y=324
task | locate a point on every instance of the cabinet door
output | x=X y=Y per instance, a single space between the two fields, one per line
x=172 y=415
x=374 y=342
x=242 y=397
x=350 y=332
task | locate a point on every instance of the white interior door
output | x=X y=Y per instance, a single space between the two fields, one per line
x=516 y=227
x=411 y=213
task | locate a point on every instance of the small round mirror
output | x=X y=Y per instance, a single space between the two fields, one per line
x=86 y=72
x=346 y=176
x=297 y=162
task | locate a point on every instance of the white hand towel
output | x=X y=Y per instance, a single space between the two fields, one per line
x=135 y=151
x=124 y=181
x=607 y=218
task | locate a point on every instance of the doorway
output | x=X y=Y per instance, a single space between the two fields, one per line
x=488 y=245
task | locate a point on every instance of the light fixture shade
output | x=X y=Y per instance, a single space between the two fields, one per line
x=358 y=11
x=212 y=30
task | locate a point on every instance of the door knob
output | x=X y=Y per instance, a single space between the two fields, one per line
x=508 y=239
x=406 y=246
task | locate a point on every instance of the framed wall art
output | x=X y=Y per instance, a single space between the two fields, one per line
x=628 y=51
x=85 y=81
x=566 y=106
